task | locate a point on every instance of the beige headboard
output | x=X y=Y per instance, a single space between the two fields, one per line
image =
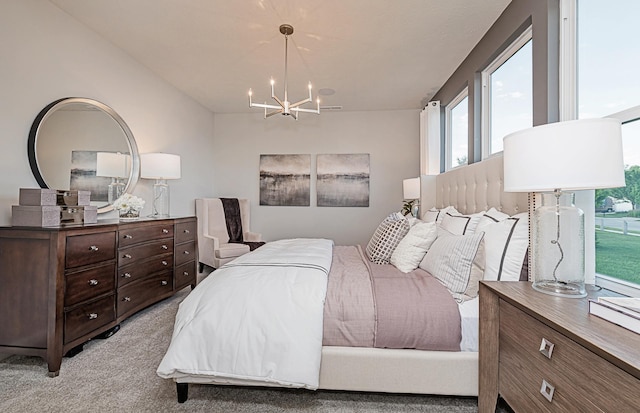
x=473 y=188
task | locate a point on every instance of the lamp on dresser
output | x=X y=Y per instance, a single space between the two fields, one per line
x=553 y=160
x=160 y=166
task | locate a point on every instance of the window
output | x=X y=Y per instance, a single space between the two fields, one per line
x=507 y=96
x=457 y=131
x=608 y=57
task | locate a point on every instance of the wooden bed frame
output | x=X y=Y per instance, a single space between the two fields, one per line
x=473 y=188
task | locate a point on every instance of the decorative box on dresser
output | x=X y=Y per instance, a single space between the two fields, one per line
x=61 y=286
x=543 y=353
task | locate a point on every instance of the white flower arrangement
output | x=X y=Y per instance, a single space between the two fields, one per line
x=128 y=203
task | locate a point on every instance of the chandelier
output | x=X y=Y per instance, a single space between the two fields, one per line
x=285 y=107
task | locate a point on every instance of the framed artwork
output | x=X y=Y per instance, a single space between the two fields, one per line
x=343 y=180
x=285 y=180
x=83 y=175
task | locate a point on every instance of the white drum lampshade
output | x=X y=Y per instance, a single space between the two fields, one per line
x=552 y=159
x=160 y=166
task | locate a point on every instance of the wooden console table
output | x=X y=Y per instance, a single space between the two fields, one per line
x=62 y=286
x=543 y=353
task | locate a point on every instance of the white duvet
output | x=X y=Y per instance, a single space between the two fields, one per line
x=256 y=319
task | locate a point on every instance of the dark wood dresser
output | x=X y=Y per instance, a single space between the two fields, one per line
x=62 y=286
x=543 y=353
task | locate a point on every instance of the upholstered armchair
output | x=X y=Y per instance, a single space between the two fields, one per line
x=214 y=248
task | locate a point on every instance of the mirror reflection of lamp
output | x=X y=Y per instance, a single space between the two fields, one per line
x=113 y=165
x=160 y=166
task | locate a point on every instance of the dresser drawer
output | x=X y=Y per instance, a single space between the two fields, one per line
x=90 y=249
x=185 y=231
x=134 y=272
x=567 y=364
x=135 y=235
x=137 y=253
x=88 y=317
x=135 y=296
x=185 y=274
x=185 y=252
x=84 y=285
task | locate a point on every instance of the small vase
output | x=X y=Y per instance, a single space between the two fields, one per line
x=130 y=215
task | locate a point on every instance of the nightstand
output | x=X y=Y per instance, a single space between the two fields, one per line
x=543 y=353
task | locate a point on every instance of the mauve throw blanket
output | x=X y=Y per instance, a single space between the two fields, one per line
x=232 y=217
x=379 y=306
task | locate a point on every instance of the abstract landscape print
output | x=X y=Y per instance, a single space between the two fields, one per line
x=342 y=180
x=285 y=180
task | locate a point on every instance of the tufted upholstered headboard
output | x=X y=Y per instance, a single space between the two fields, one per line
x=473 y=188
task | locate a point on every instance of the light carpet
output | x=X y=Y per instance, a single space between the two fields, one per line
x=119 y=374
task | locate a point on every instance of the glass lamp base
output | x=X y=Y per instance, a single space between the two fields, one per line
x=561 y=289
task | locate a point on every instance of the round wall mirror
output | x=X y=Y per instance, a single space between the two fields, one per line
x=83 y=144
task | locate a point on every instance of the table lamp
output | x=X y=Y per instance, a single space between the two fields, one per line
x=411 y=193
x=554 y=159
x=160 y=166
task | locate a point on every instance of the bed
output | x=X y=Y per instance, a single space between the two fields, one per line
x=474 y=189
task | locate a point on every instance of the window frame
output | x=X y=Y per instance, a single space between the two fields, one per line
x=485 y=79
x=448 y=160
x=569 y=72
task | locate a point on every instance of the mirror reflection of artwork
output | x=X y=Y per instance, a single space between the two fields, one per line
x=343 y=180
x=285 y=180
x=83 y=175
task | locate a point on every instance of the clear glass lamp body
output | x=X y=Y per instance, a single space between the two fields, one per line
x=558 y=237
x=160 y=199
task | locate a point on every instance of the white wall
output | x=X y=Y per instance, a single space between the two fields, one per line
x=390 y=137
x=47 y=55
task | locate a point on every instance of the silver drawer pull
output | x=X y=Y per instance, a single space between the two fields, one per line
x=547 y=390
x=126 y=275
x=127 y=236
x=93 y=316
x=126 y=299
x=164 y=247
x=164 y=282
x=186 y=231
x=186 y=253
x=186 y=273
x=93 y=248
x=165 y=231
x=126 y=256
x=546 y=348
x=93 y=282
x=165 y=263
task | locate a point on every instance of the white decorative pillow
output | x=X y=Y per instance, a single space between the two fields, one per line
x=411 y=249
x=457 y=261
x=506 y=242
x=455 y=224
x=386 y=237
x=436 y=215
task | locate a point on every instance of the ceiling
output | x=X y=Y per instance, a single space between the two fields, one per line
x=375 y=54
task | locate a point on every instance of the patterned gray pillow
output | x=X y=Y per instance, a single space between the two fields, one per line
x=457 y=261
x=386 y=238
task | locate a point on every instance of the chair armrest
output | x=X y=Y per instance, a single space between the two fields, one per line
x=252 y=236
x=211 y=243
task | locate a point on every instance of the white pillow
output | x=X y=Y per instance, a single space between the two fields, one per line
x=506 y=241
x=386 y=237
x=410 y=251
x=436 y=215
x=457 y=261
